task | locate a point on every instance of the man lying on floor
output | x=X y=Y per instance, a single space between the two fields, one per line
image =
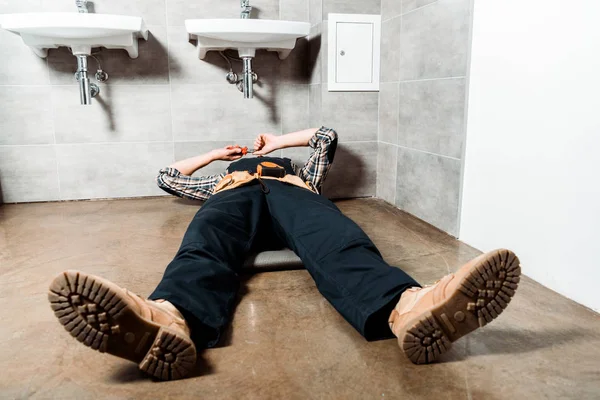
x=268 y=203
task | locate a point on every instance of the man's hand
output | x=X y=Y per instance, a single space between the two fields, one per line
x=266 y=143
x=229 y=153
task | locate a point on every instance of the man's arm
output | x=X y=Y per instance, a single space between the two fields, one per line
x=176 y=179
x=267 y=143
x=322 y=140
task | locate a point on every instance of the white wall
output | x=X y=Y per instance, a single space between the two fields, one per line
x=532 y=165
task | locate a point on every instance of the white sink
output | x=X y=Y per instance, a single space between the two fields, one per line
x=80 y=32
x=246 y=35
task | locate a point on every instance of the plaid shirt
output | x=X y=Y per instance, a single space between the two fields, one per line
x=324 y=143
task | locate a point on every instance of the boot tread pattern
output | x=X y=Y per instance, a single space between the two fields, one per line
x=90 y=312
x=482 y=295
x=169 y=358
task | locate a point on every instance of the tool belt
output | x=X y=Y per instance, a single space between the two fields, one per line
x=265 y=170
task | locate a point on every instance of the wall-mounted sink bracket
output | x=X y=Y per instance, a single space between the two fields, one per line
x=246 y=36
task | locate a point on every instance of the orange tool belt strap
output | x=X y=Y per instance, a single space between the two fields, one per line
x=265 y=170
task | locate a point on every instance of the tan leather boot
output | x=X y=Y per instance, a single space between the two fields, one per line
x=110 y=319
x=426 y=321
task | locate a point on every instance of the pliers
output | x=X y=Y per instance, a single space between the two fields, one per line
x=246 y=151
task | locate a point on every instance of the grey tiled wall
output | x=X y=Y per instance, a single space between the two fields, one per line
x=165 y=105
x=403 y=144
x=422 y=103
x=352 y=114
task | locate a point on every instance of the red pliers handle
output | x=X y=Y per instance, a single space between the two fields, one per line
x=246 y=151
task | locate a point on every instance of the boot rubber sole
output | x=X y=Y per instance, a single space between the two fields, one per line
x=483 y=293
x=100 y=315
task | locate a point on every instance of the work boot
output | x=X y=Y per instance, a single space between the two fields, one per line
x=110 y=319
x=427 y=320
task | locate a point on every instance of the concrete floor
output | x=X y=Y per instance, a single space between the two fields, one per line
x=286 y=341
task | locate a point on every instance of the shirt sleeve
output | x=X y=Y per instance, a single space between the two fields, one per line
x=324 y=143
x=188 y=187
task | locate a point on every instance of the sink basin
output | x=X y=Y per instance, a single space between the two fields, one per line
x=246 y=35
x=80 y=32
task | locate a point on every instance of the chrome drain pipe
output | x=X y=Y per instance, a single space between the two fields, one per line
x=248 y=78
x=87 y=90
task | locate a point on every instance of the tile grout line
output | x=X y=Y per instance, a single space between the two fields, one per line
x=397 y=114
x=53 y=115
x=408 y=12
x=114 y=84
x=280 y=10
x=155 y=142
x=167 y=18
x=395 y=181
x=399 y=70
x=427 y=79
x=391 y=18
x=421 y=151
x=377 y=177
x=420 y=8
x=82 y=143
x=469 y=396
x=170 y=82
x=397 y=138
x=308 y=14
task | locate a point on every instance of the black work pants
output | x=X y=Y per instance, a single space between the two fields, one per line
x=202 y=280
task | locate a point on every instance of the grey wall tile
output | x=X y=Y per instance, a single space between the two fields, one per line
x=390 y=9
x=324 y=52
x=386 y=172
x=354 y=171
x=431 y=116
x=390 y=50
x=151 y=67
x=388 y=113
x=295 y=68
x=352 y=114
x=62 y=65
x=180 y=10
x=293 y=103
x=293 y=10
x=152 y=11
x=410 y=5
x=315 y=103
x=58 y=6
x=20 y=6
x=137 y=113
x=19 y=65
x=428 y=187
x=435 y=40
x=28 y=173
x=25 y=115
x=186 y=67
x=315 y=11
x=219 y=112
x=315 y=54
x=298 y=155
x=111 y=170
x=351 y=7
